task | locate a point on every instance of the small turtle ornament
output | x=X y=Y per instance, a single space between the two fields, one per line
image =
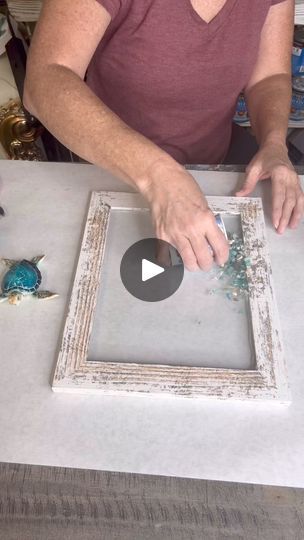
x=23 y=278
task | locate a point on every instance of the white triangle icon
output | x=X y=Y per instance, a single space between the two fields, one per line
x=150 y=270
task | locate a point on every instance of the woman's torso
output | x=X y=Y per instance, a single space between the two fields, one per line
x=175 y=78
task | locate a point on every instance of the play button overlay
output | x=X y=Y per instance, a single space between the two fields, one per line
x=151 y=270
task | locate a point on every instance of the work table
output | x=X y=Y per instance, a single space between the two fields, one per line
x=46 y=206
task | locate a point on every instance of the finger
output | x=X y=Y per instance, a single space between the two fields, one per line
x=298 y=212
x=219 y=244
x=289 y=204
x=278 y=198
x=251 y=180
x=162 y=253
x=203 y=252
x=185 y=250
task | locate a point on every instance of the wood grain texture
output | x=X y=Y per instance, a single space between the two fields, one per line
x=25 y=10
x=74 y=373
x=48 y=503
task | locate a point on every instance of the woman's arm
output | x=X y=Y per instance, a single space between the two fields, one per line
x=268 y=95
x=268 y=91
x=65 y=39
x=64 y=42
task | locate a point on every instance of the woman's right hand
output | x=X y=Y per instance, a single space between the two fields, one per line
x=181 y=216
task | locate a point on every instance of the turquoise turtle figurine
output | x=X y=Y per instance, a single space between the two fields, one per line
x=23 y=278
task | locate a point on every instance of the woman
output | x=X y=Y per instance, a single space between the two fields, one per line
x=163 y=77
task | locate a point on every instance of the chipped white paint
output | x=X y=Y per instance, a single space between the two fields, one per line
x=74 y=373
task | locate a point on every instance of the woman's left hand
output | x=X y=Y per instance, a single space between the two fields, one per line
x=272 y=161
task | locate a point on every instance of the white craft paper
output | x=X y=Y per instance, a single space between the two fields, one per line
x=192 y=327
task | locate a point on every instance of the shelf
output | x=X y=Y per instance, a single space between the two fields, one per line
x=22 y=11
x=291 y=124
x=299 y=12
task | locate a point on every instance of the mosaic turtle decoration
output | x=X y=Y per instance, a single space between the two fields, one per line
x=23 y=278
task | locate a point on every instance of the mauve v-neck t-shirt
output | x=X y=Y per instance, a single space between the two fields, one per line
x=174 y=78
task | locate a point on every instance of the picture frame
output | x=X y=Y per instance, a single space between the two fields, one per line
x=75 y=373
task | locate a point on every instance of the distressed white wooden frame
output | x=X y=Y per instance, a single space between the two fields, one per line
x=74 y=372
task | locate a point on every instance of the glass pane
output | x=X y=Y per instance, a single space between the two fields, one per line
x=191 y=328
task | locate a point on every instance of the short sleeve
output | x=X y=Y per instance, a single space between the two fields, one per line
x=112 y=6
x=277 y=2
